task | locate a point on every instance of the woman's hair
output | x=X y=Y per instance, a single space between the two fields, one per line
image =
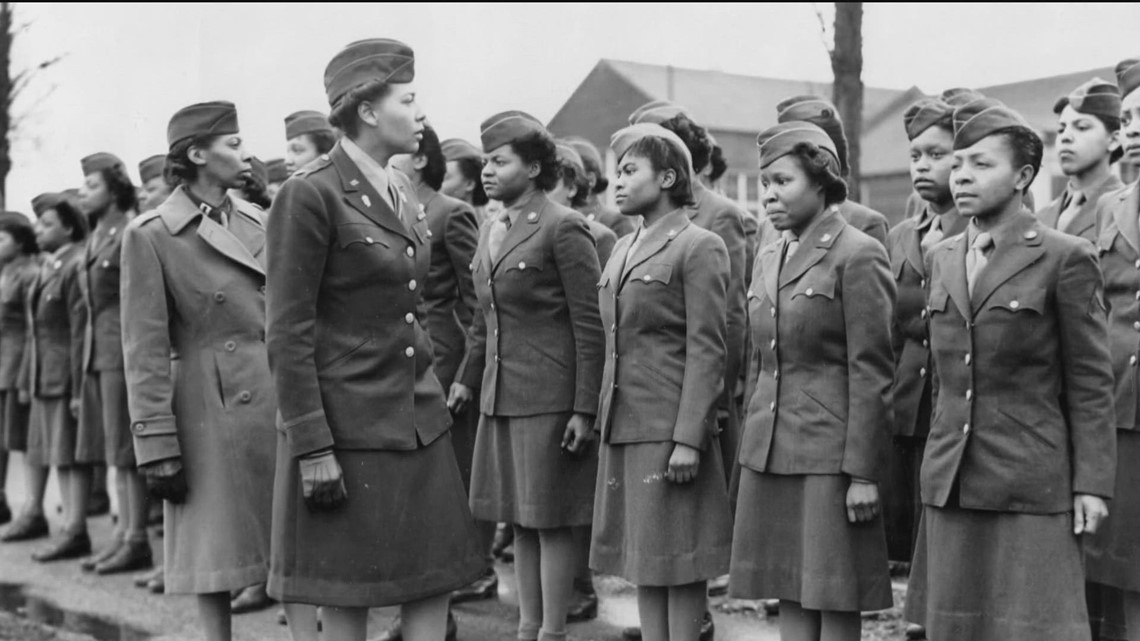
x=323 y=140
x=431 y=151
x=1026 y=146
x=121 y=188
x=179 y=168
x=69 y=216
x=570 y=175
x=719 y=164
x=539 y=147
x=343 y=115
x=823 y=169
x=23 y=234
x=471 y=168
x=663 y=156
x=695 y=137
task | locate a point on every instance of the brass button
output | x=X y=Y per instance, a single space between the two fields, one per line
x=647 y=278
x=492 y=307
x=231 y=346
x=490 y=282
x=245 y=397
x=368 y=239
x=772 y=344
x=412 y=285
x=220 y=297
x=776 y=375
x=773 y=312
x=772 y=406
x=1132 y=361
x=922 y=372
x=923 y=314
x=1138 y=264
x=1136 y=326
x=969 y=395
x=411 y=252
x=496 y=332
x=522 y=265
x=810 y=291
x=106 y=264
x=969 y=359
x=140 y=427
x=966 y=428
x=409 y=318
x=410 y=352
x=925 y=343
x=922 y=284
x=1014 y=304
x=261 y=289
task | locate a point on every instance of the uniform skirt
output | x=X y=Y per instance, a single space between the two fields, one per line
x=13 y=422
x=522 y=476
x=1112 y=556
x=995 y=576
x=404 y=534
x=55 y=438
x=792 y=541
x=652 y=532
x=105 y=409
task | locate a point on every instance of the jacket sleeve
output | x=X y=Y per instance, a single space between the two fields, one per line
x=462 y=237
x=472 y=367
x=729 y=225
x=576 y=259
x=751 y=246
x=877 y=228
x=754 y=359
x=77 y=325
x=146 y=349
x=706 y=278
x=1087 y=371
x=868 y=292
x=298 y=235
x=23 y=376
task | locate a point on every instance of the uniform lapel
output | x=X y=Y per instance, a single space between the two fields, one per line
x=227 y=244
x=1023 y=248
x=954 y=275
x=1086 y=218
x=913 y=247
x=1125 y=214
x=813 y=248
x=656 y=238
x=527 y=224
x=247 y=229
x=363 y=197
x=770 y=266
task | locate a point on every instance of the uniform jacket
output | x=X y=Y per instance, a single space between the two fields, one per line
x=865 y=219
x=604 y=241
x=195 y=292
x=1023 y=378
x=818 y=397
x=16 y=280
x=912 y=389
x=725 y=218
x=619 y=224
x=56 y=321
x=99 y=281
x=1085 y=224
x=348 y=342
x=449 y=293
x=1119 y=249
x=536 y=344
x=663 y=309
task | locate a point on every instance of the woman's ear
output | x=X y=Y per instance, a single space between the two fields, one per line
x=668 y=178
x=196 y=155
x=534 y=170
x=1025 y=177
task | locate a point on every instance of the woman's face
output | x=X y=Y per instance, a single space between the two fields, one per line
x=299 y=151
x=637 y=187
x=791 y=199
x=456 y=185
x=155 y=191
x=50 y=232
x=225 y=161
x=984 y=178
x=1130 y=127
x=9 y=248
x=505 y=175
x=397 y=119
x=94 y=195
x=931 y=157
x=1083 y=141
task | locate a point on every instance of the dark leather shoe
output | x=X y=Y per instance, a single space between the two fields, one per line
x=88 y=564
x=395 y=631
x=771 y=607
x=718 y=586
x=281 y=618
x=71 y=546
x=631 y=634
x=157 y=585
x=584 y=603
x=485 y=587
x=142 y=580
x=100 y=504
x=26 y=528
x=5 y=511
x=504 y=538
x=251 y=599
x=708 y=628
x=915 y=632
x=131 y=557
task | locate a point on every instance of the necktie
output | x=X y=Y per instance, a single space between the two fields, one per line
x=498 y=232
x=793 y=245
x=976 y=260
x=933 y=235
x=1076 y=199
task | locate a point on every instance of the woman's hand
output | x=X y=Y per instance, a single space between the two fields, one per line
x=683 y=464
x=579 y=434
x=74 y=406
x=1088 y=513
x=23 y=397
x=862 y=501
x=166 y=480
x=322 y=482
x=458 y=398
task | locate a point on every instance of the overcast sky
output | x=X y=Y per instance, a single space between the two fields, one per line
x=128 y=68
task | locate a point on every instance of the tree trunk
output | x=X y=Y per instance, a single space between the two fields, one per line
x=847 y=92
x=6 y=92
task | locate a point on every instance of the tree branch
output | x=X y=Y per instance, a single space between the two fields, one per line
x=829 y=46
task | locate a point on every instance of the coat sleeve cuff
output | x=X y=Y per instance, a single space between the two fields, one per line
x=694 y=435
x=155 y=439
x=307 y=434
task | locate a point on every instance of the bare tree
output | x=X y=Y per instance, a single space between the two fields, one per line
x=12 y=87
x=846 y=53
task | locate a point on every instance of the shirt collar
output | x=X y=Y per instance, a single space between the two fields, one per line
x=226 y=207
x=827 y=213
x=373 y=172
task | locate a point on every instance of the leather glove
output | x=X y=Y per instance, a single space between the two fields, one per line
x=322 y=482
x=166 y=480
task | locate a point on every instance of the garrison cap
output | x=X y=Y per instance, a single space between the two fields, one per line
x=99 y=161
x=45 y=201
x=656 y=112
x=567 y=155
x=277 y=171
x=217 y=118
x=624 y=139
x=305 y=122
x=506 y=127
x=591 y=159
x=982 y=118
x=376 y=59
x=926 y=113
x=457 y=148
x=1128 y=76
x=152 y=168
x=1096 y=97
x=779 y=141
x=959 y=96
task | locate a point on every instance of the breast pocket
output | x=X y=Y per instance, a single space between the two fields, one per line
x=525 y=262
x=937 y=302
x=1024 y=302
x=652 y=274
x=815 y=287
x=360 y=236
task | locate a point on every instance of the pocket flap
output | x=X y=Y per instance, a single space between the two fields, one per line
x=652 y=273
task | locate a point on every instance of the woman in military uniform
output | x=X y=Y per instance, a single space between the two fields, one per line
x=808 y=525
x=368 y=507
x=597 y=184
x=662 y=518
x=536 y=355
x=308 y=135
x=572 y=191
x=461 y=180
x=18 y=255
x=108 y=199
x=198 y=383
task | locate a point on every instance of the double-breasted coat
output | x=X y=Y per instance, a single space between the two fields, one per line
x=16 y=278
x=1085 y=224
x=198 y=384
x=353 y=366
